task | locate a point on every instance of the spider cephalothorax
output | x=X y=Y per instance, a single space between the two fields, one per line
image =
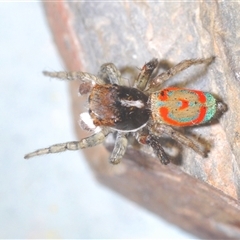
x=119 y=107
x=143 y=110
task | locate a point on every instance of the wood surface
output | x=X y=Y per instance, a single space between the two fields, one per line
x=197 y=194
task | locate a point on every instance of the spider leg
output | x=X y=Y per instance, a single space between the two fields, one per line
x=174 y=134
x=110 y=74
x=145 y=74
x=119 y=148
x=155 y=84
x=154 y=142
x=72 y=76
x=91 y=141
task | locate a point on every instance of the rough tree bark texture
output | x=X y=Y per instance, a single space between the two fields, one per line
x=199 y=195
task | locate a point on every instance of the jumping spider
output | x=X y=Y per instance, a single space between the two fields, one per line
x=144 y=110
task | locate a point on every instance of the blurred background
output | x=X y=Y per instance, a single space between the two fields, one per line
x=53 y=196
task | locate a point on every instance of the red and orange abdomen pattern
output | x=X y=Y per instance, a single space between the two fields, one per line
x=182 y=107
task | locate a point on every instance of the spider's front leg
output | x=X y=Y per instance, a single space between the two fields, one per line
x=160 y=129
x=156 y=83
x=76 y=75
x=145 y=74
x=91 y=141
x=119 y=148
x=110 y=74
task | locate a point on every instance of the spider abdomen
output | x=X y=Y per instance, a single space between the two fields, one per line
x=183 y=107
x=120 y=107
